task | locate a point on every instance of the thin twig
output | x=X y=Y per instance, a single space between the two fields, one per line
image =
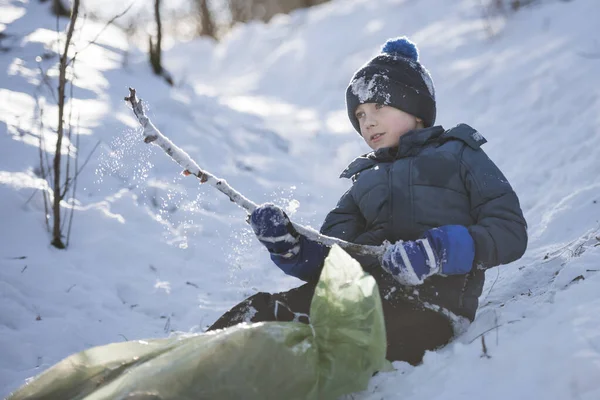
x=46 y=81
x=491 y=329
x=87 y=159
x=153 y=135
x=493 y=284
x=167 y=327
x=567 y=248
x=57 y=35
x=31 y=197
x=45 y=167
x=497 y=330
x=42 y=168
x=113 y=19
x=484 y=348
x=69 y=135
x=74 y=185
x=483 y=333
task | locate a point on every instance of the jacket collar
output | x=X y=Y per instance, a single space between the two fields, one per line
x=409 y=145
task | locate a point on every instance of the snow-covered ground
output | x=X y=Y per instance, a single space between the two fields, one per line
x=152 y=252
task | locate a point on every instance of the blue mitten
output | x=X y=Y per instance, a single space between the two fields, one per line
x=291 y=252
x=448 y=250
x=275 y=231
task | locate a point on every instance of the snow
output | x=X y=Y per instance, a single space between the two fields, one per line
x=153 y=253
x=365 y=89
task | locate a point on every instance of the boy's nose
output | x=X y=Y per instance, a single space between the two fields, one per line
x=370 y=122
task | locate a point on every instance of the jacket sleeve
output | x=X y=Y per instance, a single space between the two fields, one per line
x=500 y=230
x=307 y=264
x=344 y=222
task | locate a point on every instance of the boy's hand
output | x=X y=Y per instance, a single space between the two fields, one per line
x=447 y=250
x=274 y=230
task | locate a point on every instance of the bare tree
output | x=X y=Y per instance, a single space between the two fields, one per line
x=207 y=25
x=514 y=5
x=156 y=47
x=58 y=8
x=60 y=173
x=241 y=11
x=246 y=10
x=62 y=80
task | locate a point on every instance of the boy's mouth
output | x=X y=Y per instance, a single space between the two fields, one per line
x=375 y=137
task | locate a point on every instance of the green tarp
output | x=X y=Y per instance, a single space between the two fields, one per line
x=336 y=354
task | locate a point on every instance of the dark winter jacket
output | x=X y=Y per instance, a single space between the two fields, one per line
x=433 y=178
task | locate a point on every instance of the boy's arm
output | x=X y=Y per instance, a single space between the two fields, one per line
x=500 y=230
x=307 y=263
x=293 y=253
x=344 y=222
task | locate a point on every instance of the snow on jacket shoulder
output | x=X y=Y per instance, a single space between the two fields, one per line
x=433 y=178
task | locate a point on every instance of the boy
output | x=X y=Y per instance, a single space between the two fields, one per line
x=448 y=210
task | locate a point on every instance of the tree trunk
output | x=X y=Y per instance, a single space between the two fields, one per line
x=59 y=9
x=207 y=26
x=62 y=83
x=155 y=47
x=240 y=10
x=246 y=10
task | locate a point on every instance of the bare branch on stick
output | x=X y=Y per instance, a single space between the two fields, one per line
x=153 y=135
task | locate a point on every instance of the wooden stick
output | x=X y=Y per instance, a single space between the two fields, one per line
x=153 y=135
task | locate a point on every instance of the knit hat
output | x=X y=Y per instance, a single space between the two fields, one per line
x=395 y=78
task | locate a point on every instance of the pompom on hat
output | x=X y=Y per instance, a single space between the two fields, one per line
x=395 y=78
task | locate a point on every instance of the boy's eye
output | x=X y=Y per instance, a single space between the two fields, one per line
x=359 y=115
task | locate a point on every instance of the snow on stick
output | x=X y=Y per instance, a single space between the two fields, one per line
x=153 y=135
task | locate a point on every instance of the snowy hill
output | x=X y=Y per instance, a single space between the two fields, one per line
x=152 y=252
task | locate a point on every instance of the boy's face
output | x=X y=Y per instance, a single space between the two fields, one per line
x=381 y=125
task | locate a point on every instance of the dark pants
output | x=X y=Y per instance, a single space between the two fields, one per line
x=410 y=329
